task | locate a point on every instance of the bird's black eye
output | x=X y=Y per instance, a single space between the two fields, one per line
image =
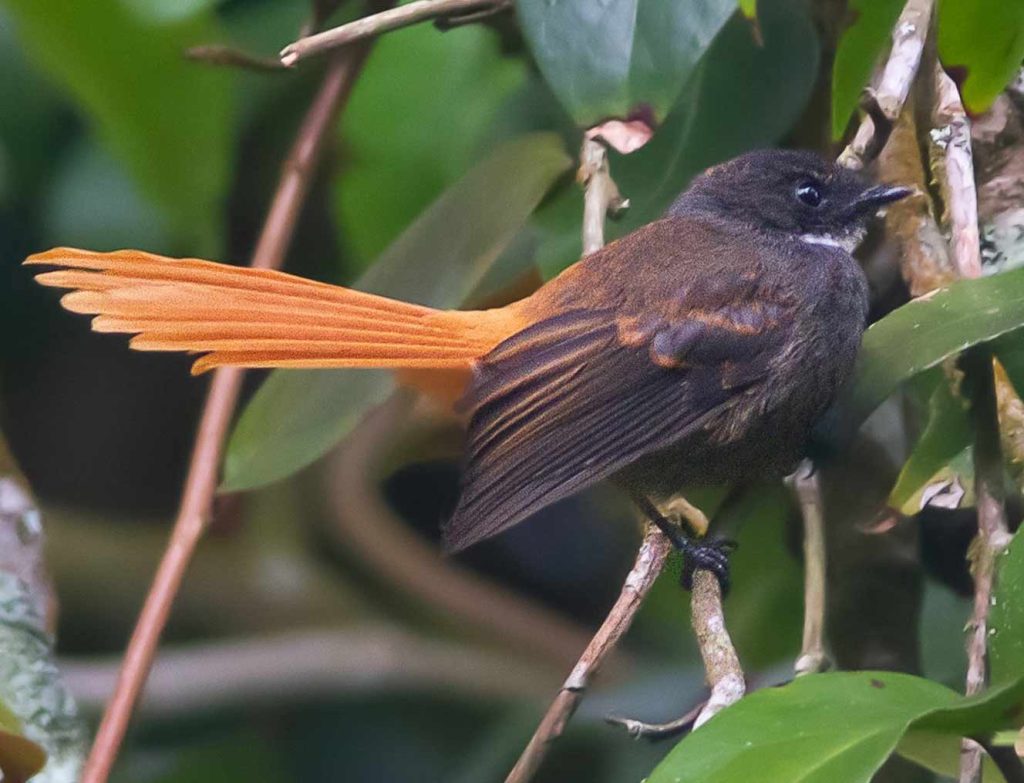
x=809 y=193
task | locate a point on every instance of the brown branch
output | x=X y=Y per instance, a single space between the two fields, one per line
x=201 y=483
x=649 y=562
x=383 y=22
x=953 y=169
x=885 y=102
x=294 y=666
x=724 y=673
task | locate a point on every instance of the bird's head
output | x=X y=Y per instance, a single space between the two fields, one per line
x=794 y=192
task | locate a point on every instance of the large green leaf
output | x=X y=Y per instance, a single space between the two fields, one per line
x=859 y=47
x=925 y=331
x=166 y=118
x=424 y=105
x=768 y=85
x=298 y=415
x=828 y=728
x=981 y=45
x=619 y=58
x=1006 y=616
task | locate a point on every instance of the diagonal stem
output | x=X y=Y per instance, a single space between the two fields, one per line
x=197 y=496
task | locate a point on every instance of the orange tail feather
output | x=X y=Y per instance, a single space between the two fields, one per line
x=261 y=318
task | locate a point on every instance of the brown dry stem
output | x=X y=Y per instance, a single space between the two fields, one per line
x=885 y=102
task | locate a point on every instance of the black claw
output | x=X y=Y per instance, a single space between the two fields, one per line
x=712 y=556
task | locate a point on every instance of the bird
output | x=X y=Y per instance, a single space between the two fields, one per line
x=700 y=348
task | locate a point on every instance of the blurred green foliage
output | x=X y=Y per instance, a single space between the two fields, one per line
x=447 y=181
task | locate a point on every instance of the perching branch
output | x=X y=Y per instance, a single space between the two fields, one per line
x=201 y=483
x=724 y=673
x=650 y=560
x=392 y=19
x=884 y=103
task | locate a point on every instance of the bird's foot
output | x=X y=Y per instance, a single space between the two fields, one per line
x=710 y=556
x=699 y=554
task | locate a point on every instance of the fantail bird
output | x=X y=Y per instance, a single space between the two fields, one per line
x=700 y=348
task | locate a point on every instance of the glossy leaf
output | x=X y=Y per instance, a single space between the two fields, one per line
x=297 y=415
x=858 y=51
x=828 y=728
x=981 y=45
x=925 y=331
x=1006 y=616
x=165 y=118
x=425 y=104
x=619 y=58
x=768 y=85
x=946 y=435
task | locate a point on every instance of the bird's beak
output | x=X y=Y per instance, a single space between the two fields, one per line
x=877 y=197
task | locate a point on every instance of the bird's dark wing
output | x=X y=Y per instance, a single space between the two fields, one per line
x=574 y=398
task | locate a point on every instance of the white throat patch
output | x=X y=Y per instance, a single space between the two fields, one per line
x=848 y=243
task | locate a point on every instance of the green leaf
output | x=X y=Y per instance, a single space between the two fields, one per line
x=297 y=415
x=946 y=435
x=749 y=8
x=1006 y=616
x=828 y=728
x=858 y=51
x=404 y=137
x=768 y=85
x=981 y=45
x=619 y=58
x=925 y=331
x=167 y=119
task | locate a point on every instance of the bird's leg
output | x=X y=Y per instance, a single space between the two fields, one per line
x=698 y=554
x=806 y=487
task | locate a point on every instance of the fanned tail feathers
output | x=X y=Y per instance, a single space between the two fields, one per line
x=262 y=318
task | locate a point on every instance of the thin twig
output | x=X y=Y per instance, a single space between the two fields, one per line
x=639 y=729
x=217 y=54
x=601 y=194
x=383 y=22
x=993 y=535
x=649 y=562
x=886 y=101
x=953 y=168
x=201 y=483
x=805 y=484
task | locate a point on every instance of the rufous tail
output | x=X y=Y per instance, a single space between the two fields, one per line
x=262 y=318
